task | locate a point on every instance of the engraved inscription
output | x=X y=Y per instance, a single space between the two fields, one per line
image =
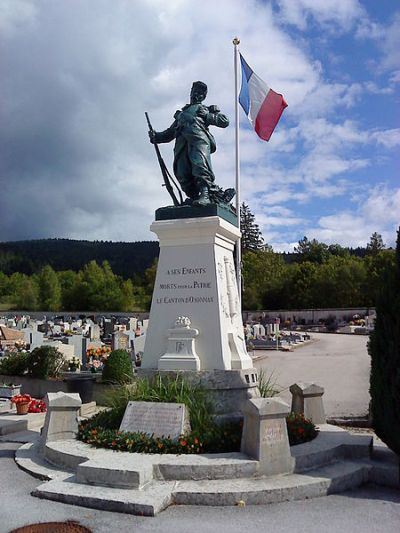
x=158 y=419
x=273 y=433
x=196 y=283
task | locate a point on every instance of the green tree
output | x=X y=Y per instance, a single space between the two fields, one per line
x=49 y=289
x=262 y=279
x=4 y=285
x=384 y=349
x=339 y=282
x=68 y=281
x=300 y=282
x=375 y=244
x=375 y=265
x=26 y=294
x=252 y=238
x=312 y=251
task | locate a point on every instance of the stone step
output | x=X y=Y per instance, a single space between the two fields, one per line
x=205 y=467
x=332 y=444
x=135 y=471
x=10 y=422
x=122 y=473
x=112 y=467
x=334 y=478
x=147 y=502
x=157 y=495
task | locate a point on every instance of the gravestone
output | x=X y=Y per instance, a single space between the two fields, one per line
x=120 y=341
x=94 y=332
x=139 y=343
x=132 y=323
x=158 y=419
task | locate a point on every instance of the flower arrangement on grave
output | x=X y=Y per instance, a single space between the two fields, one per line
x=21 y=402
x=96 y=357
x=37 y=406
x=21 y=398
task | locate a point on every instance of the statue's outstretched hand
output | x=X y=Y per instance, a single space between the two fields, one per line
x=152 y=136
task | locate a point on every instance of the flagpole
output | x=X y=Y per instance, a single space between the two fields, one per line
x=236 y=42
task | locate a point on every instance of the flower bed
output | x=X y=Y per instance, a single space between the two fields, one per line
x=102 y=431
x=300 y=429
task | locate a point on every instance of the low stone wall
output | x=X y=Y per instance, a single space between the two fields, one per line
x=38 y=388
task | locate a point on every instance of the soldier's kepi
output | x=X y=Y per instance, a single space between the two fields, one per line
x=194 y=145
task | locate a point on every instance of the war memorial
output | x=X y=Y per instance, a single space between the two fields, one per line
x=196 y=331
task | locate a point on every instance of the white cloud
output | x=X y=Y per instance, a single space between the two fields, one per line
x=378 y=212
x=77 y=77
x=332 y=14
x=388 y=138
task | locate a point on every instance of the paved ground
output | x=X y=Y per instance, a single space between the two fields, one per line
x=339 y=363
x=366 y=510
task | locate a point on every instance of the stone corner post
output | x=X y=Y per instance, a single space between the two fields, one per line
x=265 y=435
x=307 y=400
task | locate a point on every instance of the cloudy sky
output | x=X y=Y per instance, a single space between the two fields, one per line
x=77 y=76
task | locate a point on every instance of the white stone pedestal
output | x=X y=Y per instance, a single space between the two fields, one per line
x=196 y=279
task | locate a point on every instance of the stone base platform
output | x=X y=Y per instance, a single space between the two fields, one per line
x=146 y=484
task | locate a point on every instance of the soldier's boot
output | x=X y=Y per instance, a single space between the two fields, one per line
x=204 y=198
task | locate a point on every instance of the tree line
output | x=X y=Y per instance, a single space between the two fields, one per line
x=322 y=276
x=93 y=288
x=316 y=275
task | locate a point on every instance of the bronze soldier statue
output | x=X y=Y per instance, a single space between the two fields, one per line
x=194 y=145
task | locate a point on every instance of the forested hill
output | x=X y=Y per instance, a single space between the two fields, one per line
x=125 y=258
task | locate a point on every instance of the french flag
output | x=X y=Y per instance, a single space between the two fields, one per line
x=262 y=105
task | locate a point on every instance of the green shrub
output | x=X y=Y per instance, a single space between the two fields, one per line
x=118 y=367
x=14 y=364
x=384 y=349
x=45 y=362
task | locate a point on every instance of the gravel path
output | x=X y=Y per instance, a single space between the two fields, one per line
x=339 y=363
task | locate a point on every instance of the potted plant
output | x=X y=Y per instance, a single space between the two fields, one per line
x=8 y=390
x=22 y=402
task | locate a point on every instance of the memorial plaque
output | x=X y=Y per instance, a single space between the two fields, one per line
x=158 y=419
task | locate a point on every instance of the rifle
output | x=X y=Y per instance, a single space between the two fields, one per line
x=164 y=171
